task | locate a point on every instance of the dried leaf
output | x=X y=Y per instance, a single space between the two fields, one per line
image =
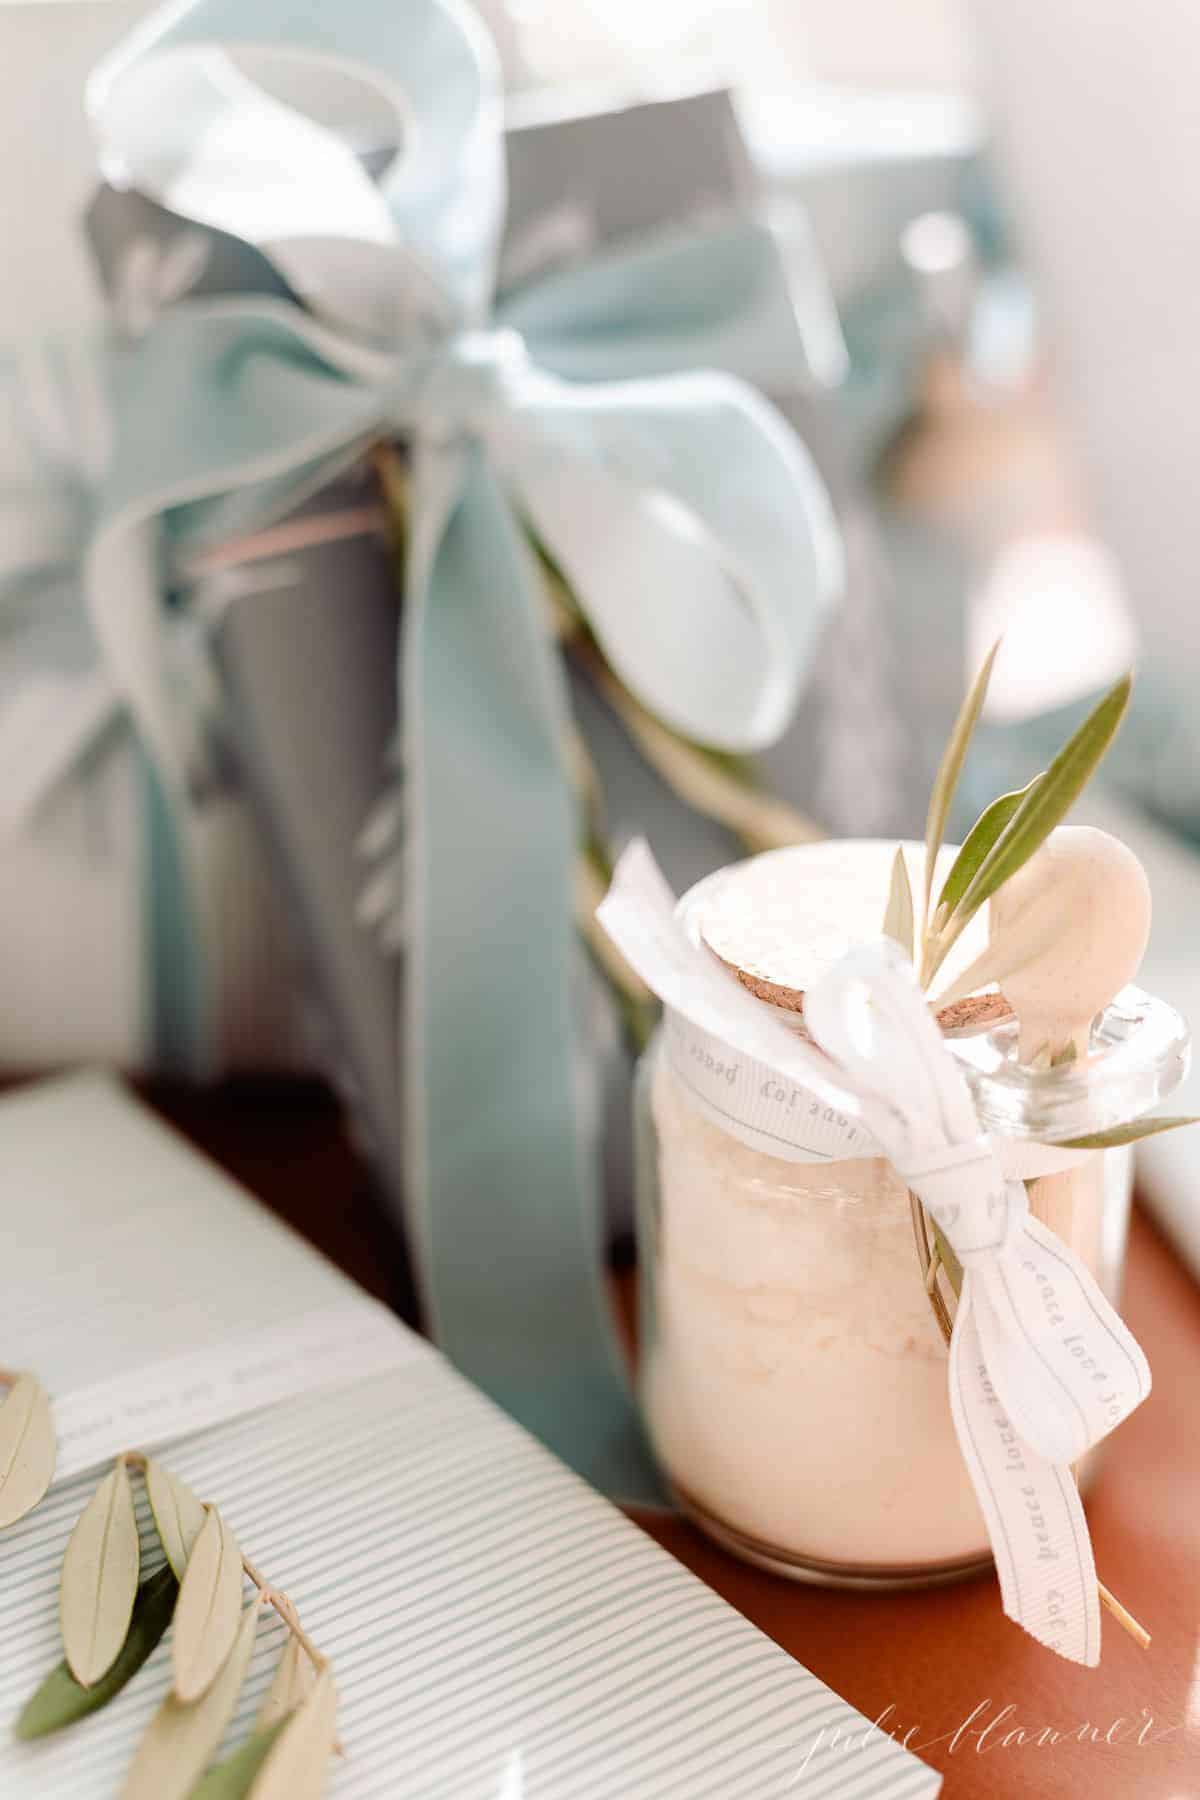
x=720 y=787
x=898 y=922
x=209 y=1607
x=1131 y=1132
x=1043 y=806
x=298 y=1764
x=233 y=1779
x=100 y=1579
x=60 y=1700
x=183 y=1736
x=976 y=844
x=178 y=1515
x=293 y=1681
x=953 y=757
x=27 y=1448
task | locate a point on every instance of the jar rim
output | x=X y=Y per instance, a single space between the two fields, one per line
x=1139 y=1053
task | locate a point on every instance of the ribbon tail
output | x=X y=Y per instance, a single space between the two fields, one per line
x=1032 y=1508
x=1062 y=1361
x=505 y=1204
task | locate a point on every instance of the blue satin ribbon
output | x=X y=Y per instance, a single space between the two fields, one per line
x=688 y=520
x=59 y=708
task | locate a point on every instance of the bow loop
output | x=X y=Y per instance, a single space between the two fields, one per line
x=712 y=297
x=217 y=111
x=870 y=1015
x=671 y=506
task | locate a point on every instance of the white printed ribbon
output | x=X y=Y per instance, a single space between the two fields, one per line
x=1041 y=1366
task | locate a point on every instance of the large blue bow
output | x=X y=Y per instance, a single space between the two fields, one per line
x=686 y=518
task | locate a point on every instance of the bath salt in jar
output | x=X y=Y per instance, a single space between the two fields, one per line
x=793 y=1372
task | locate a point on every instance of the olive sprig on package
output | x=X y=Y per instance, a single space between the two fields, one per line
x=113 y=1617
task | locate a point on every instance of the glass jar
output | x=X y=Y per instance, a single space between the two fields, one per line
x=793 y=1373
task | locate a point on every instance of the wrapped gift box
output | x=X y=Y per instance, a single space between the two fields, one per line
x=497 y=1630
x=299 y=294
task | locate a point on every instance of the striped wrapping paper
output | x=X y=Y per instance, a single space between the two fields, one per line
x=499 y=1631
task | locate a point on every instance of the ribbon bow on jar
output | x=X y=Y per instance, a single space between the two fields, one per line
x=1041 y=1366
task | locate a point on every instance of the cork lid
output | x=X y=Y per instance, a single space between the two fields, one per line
x=779 y=920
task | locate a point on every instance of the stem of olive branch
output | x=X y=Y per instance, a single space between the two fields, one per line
x=273 y=1597
x=280 y=1603
x=932 y=1259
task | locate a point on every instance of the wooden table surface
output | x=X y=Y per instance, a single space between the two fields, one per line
x=942 y=1669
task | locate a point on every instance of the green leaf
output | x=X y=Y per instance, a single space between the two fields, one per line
x=27 y=1448
x=100 y=1579
x=232 y=1779
x=898 y=919
x=210 y=1605
x=1043 y=806
x=183 y=1736
x=60 y=1700
x=1129 y=1133
x=298 y=1765
x=949 y=1261
x=978 y=842
x=178 y=1515
x=953 y=757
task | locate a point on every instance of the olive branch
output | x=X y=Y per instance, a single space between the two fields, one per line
x=1003 y=838
x=112 y=1619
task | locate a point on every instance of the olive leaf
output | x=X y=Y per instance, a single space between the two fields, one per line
x=949 y=1262
x=292 y=1682
x=100 y=1578
x=976 y=844
x=183 y=1736
x=60 y=1700
x=178 y=1515
x=233 y=1779
x=950 y=768
x=1131 y=1132
x=713 y=783
x=298 y=1762
x=1043 y=805
x=898 y=919
x=208 y=1609
x=27 y=1448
